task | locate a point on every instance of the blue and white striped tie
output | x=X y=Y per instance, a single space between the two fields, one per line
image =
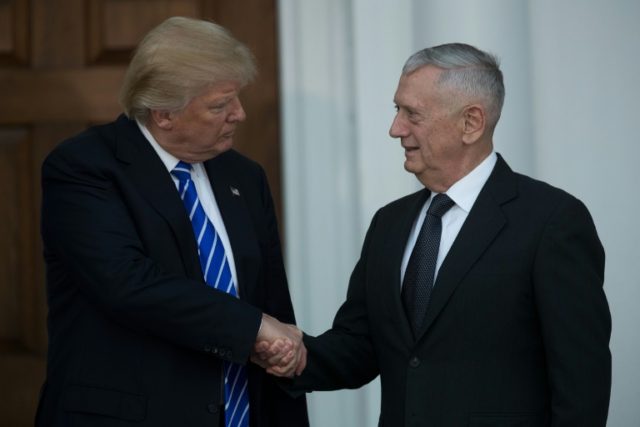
x=217 y=274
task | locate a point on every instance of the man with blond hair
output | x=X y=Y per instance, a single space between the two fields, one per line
x=162 y=251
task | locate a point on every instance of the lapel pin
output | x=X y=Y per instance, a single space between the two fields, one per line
x=234 y=191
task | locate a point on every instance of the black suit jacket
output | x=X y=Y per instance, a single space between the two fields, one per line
x=517 y=330
x=134 y=334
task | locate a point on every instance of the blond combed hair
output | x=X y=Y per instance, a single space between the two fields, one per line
x=178 y=60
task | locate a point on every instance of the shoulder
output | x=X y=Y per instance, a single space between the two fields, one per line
x=546 y=197
x=88 y=155
x=532 y=204
x=521 y=193
x=406 y=205
x=404 y=202
x=94 y=143
x=538 y=188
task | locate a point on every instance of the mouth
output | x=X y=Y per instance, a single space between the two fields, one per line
x=409 y=150
x=228 y=135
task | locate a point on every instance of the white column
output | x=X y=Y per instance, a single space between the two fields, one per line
x=382 y=43
x=320 y=175
x=340 y=62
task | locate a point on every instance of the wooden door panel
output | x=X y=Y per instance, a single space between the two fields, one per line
x=14 y=37
x=22 y=373
x=86 y=94
x=257 y=135
x=115 y=27
x=61 y=66
x=13 y=209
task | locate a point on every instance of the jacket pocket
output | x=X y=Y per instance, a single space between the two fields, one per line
x=99 y=401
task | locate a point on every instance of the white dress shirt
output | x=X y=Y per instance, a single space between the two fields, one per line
x=205 y=195
x=464 y=193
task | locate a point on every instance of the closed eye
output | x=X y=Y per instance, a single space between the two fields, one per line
x=218 y=107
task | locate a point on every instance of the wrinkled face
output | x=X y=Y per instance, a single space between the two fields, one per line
x=428 y=127
x=205 y=127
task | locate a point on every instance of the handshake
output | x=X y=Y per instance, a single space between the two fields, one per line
x=279 y=348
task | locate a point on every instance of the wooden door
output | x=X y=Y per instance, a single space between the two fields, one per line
x=61 y=65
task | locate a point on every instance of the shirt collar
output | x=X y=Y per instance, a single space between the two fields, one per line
x=169 y=160
x=465 y=192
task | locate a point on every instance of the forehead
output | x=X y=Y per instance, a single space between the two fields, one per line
x=220 y=90
x=417 y=86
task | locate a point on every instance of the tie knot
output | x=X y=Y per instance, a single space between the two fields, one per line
x=182 y=171
x=440 y=205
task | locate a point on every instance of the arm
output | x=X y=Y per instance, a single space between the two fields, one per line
x=343 y=357
x=93 y=247
x=574 y=317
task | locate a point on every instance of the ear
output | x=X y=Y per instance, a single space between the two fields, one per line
x=162 y=119
x=473 y=123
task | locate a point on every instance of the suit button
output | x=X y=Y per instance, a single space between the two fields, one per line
x=414 y=362
x=213 y=408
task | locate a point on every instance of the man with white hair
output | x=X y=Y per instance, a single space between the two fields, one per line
x=478 y=299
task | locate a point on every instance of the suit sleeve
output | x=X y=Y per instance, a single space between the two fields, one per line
x=344 y=356
x=574 y=316
x=91 y=240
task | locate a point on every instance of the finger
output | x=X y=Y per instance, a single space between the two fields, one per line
x=287 y=359
x=273 y=349
x=274 y=360
x=280 y=372
x=277 y=353
x=287 y=347
x=285 y=365
x=261 y=346
x=282 y=359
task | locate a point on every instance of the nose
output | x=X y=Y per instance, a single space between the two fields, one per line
x=398 y=128
x=237 y=113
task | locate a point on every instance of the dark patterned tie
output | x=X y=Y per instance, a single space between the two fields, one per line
x=418 y=278
x=217 y=274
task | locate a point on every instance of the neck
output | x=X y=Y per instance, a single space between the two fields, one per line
x=440 y=180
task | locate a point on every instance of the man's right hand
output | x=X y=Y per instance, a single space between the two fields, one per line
x=279 y=348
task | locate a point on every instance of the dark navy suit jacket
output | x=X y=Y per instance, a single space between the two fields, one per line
x=135 y=337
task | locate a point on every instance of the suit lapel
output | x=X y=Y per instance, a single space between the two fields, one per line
x=149 y=175
x=479 y=230
x=230 y=199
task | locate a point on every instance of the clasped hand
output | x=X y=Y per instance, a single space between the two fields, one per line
x=279 y=348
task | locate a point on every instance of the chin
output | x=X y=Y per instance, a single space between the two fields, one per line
x=410 y=167
x=222 y=146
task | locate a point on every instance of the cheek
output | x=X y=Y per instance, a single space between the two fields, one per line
x=215 y=124
x=426 y=139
